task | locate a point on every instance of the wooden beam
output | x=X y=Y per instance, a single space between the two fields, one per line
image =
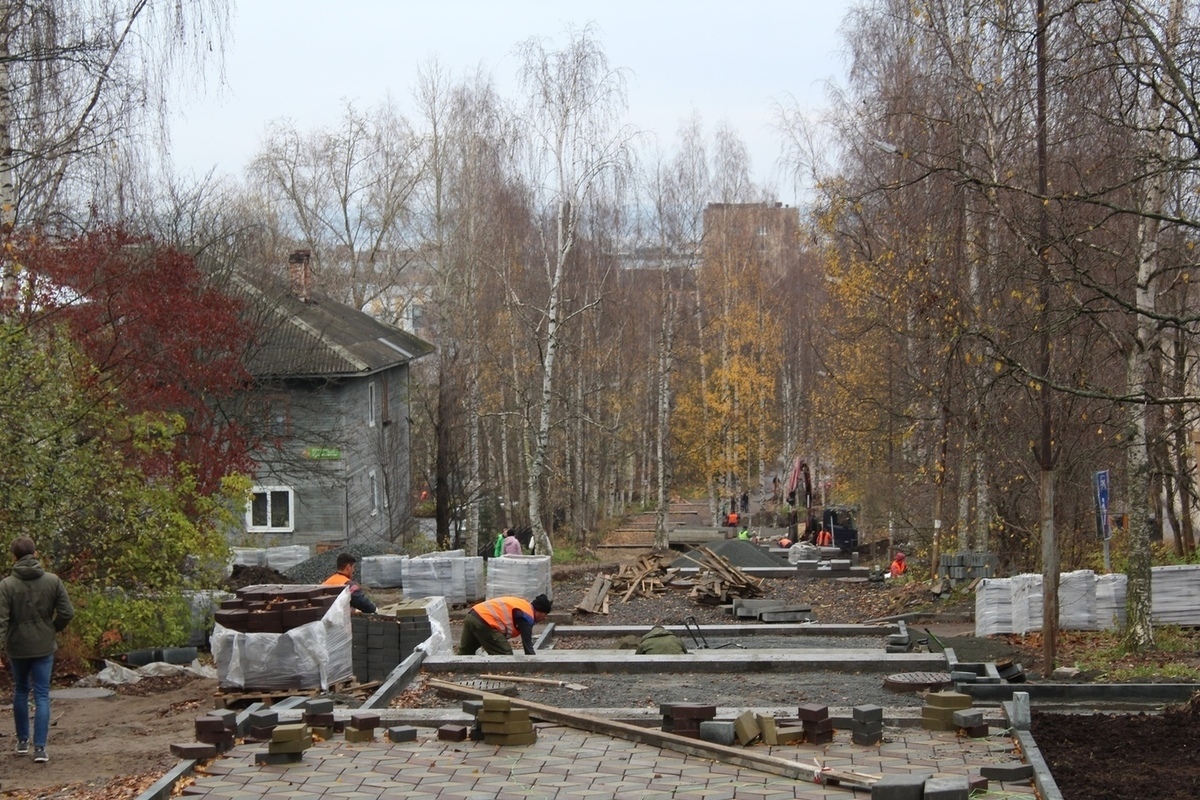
x=571 y=718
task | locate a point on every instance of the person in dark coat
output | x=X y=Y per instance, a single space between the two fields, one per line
x=34 y=607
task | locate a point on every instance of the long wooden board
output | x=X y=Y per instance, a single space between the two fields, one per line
x=655 y=738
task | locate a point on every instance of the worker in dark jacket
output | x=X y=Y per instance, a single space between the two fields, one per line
x=34 y=607
x=492 y=623
x=345 y=575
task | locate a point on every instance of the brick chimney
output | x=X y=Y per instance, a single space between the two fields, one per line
x=300 y=274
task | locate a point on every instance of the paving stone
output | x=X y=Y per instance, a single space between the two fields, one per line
x=899 y=787
x=812 y=712
x=867 y=714
x=968 y=718
x=1007 y=772
x=953 y=788
x=719 y=731
x=319 y=705
x=452 y=733
x=194 y=750
x=948 y=700
x=402 y=733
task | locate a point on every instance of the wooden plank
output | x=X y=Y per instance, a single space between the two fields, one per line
x=655 y=738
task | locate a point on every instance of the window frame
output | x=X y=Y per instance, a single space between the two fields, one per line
x=269 y=528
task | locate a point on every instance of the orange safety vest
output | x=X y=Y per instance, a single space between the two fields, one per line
x=497 y=613
x=336 y=579
x=898 y=568
x=824 y=539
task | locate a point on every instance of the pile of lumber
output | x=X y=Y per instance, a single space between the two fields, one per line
x=651 y=576
x=719 y=581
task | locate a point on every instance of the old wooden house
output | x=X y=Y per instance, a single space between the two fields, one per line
x=331 y=396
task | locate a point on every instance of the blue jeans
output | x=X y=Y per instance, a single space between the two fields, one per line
x=36 y=671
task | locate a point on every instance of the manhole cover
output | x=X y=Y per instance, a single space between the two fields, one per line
x=916 y=681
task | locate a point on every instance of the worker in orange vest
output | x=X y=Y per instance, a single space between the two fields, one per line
x=344 y=575
x=898 y=566
x=492 y=623
x=824 y=537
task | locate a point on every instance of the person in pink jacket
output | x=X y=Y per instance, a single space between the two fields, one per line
x=512 y=545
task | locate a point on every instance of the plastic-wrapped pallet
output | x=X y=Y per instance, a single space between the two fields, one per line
x=993 y=606
x=443 y=574
x=382 y=572
x=1026 y=603
x=311 y=655
x=281 y=559
x=1110 y=601
x=475 y=579
x=1175 y=594
x=248 y=557
x=438 y=642
x=1077 y=600
x=519 y=576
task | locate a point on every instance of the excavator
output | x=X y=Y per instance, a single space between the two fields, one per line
x=838 y=519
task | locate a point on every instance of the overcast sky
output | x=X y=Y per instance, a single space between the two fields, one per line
x=302 y=59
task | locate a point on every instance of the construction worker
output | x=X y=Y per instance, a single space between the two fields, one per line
x=744 y=534
x=824 y=537
x=898 y=566
x=498 y=549
x=345 y=575
x=492 y=623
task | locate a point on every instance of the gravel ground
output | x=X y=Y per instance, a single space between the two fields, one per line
x=728 y=690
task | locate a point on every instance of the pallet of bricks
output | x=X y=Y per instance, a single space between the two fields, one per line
x=275 y=638
x=381 y=643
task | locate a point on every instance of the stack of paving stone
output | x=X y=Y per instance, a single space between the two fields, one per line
x=817 y=724
x=685 y=718
x=275 y=608
x=287 y=744
x=938 y=712
x=217 y=728
x=318 y=715
x=262 y=723
x=959 y=567
x=970 y=722
x=362 y=727
x=497 y=722
x=867 y=725
x=899 y=642
x=773 y=733
x=381 y=643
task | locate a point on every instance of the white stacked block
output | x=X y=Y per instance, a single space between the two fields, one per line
x=281 y=559
x=1077 y=601
x=443 y=574
x=248 y=557
x=382 y=572
x=1026 y=603
x=1175 y=595
x=519 y=576
x=993 y=606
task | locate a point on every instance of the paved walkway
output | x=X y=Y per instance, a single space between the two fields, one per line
x=568 y=764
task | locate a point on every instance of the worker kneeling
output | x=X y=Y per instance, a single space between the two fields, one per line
x=492 y=623
x=898 y=566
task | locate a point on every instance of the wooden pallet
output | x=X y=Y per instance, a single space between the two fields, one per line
x=223 y=698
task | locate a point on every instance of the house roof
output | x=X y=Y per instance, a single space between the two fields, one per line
x=321 y=338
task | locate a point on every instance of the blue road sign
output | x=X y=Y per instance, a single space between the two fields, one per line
x=1103 y=527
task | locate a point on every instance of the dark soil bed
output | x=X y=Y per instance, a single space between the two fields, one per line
x=1123 y=757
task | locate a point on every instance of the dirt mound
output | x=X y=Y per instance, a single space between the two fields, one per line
x=244 y=575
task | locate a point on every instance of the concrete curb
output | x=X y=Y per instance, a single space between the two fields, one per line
x=743 y=630
x=1090 y=693
x=1042 y=779
x=396 y=681
x=164 y=787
